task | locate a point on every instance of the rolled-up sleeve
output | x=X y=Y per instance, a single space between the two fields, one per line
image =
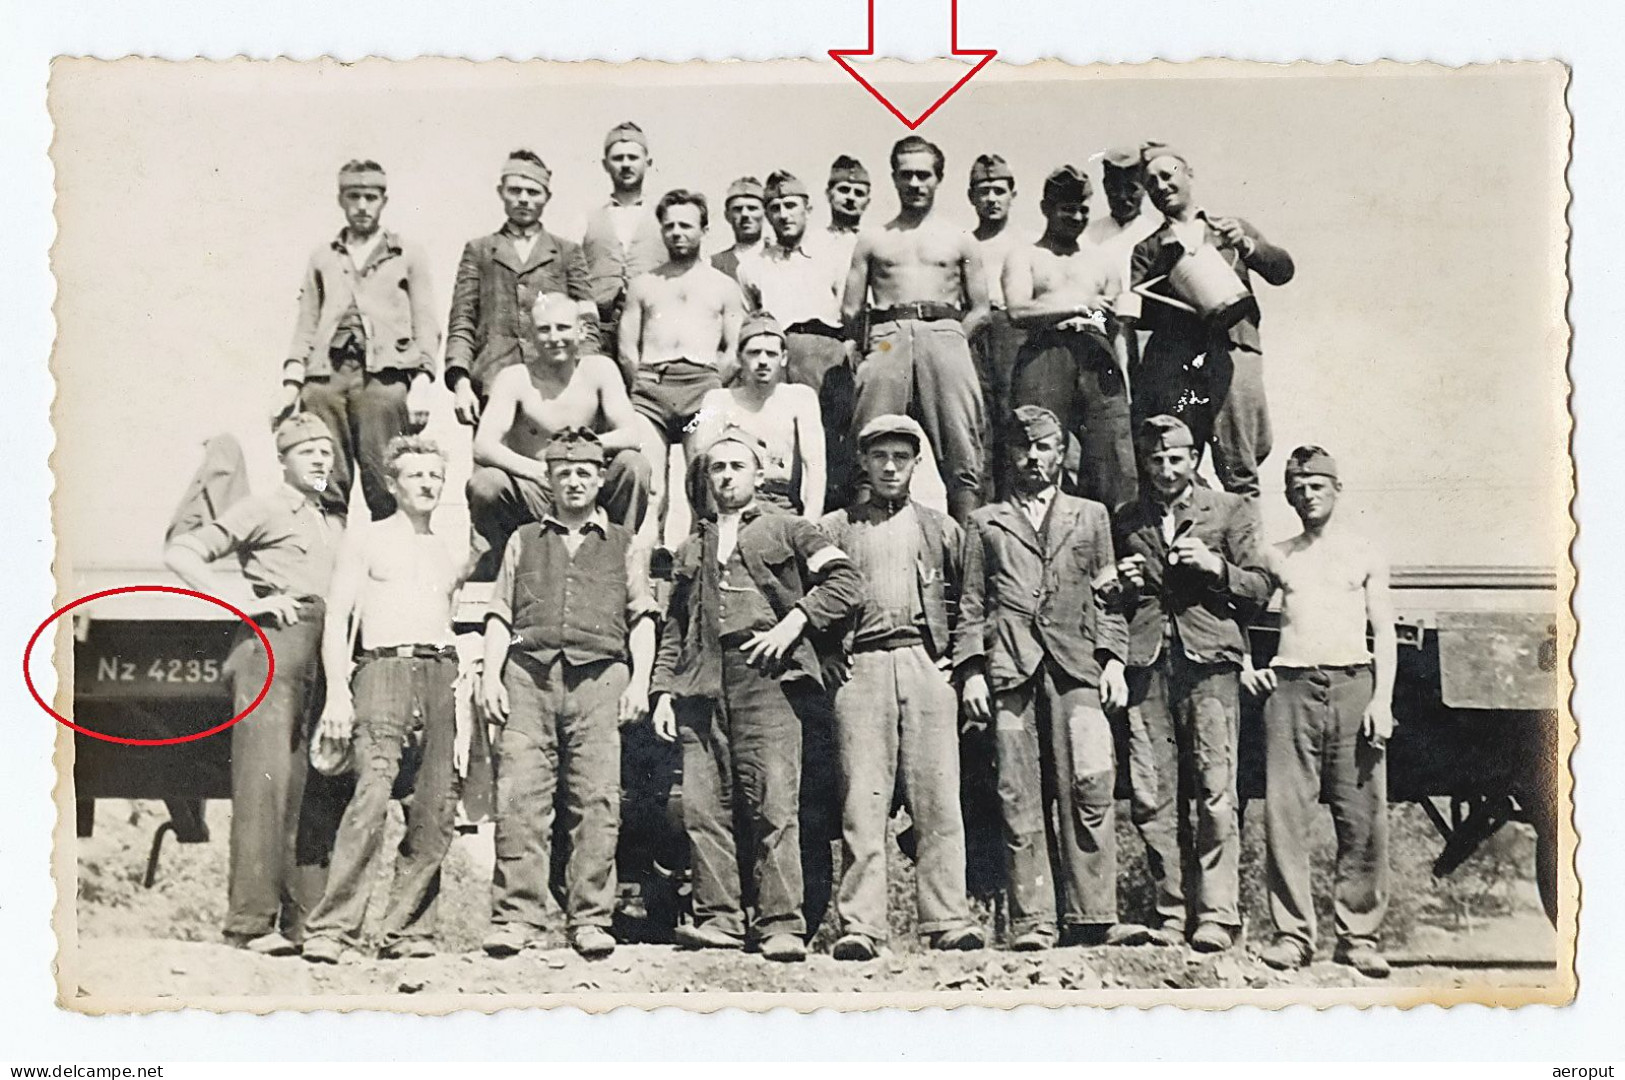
x=640 y=597
x=500 y=605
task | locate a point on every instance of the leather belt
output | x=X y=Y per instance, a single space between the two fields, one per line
x=409 y=652
x=815 y=326
x=926 y=311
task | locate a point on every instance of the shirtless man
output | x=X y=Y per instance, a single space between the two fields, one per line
x=922 y=283
x=392 y=590
x=1327 y=722
x=992 y=189
x=1075 y=359
x=677 y=341
x=532 y=402
x=783 y=415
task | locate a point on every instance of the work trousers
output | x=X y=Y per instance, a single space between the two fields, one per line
x=1222 y=401
x=1075 y=376
x=561 y=743
x=896 y=712
x=284 y=814
x=741 y=799
x=996 y=346
x=405 y=727
x=925 y=369
x=1184 y=723
x=363 y=410
x=1314 y=752
x=499 y=501
x=1052 y=737
x=821 y=362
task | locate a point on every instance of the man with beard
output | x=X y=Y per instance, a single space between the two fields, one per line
x=678 y=337
x=363 y=351
x=284 y=814
x=1191 y=576
x=1030 y=625
x=499 y=280
x=556 y=389
x=919 y=283
x=1211 y=375
x=736 y=678
x=992 y=190
x=622 y=238
x=1074 y=359
x=744 y=210
x=848 y=191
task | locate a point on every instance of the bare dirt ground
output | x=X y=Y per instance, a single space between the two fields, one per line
x=1481 y=927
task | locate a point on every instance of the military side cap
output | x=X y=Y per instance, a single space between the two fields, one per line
x=735 y=434
x=300 y=428
x=530 y=170
x=626 y=132
x=891 y=424
x=361 y=174
x=990 y=167
x=746 y=187
x=781 y=184
x=1123 y=159
x=1310 y=461
x=574 y=444
x=1067 y=184
x=1035 y=422
x=758 y=323
x=849 y=170
x=1163 y=432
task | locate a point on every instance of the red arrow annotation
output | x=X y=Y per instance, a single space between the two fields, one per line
x=840 y=56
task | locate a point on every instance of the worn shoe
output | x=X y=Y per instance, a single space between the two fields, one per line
x=268 y=944
x=592 y=942
x=1211 y=937
x=855 y=947
x=1031 y=941
x=959 y=939
x=407 y=949
x=1363 y=958
x=323 y=950
x=508 y=939
x=1110 y=934
x=1167 y=935
x=1285 y=954
x=784 y=948
x=706 y=937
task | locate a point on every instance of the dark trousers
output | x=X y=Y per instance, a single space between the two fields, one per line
x=1314 y=752
x=499 y=502
x=820 y=361
x=1222 y=401
x=996 y=346
x=405 y=726
x=363 y=410
x=1075 y=376
x=741 y=799
x=562 y=742
x=1052 y=737
x=1184 y=723
x=284 y=814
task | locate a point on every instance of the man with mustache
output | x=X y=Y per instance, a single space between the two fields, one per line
x=622 y=238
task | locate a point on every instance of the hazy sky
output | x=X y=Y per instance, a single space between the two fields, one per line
x=1421 y=341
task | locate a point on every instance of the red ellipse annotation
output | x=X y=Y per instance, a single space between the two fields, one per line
x=270 y=665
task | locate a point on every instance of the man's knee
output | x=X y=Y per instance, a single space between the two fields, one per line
x=630 y=469
x=487 y=487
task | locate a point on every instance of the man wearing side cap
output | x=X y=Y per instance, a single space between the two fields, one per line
x=918 y=283
x=569 y=647
x=1326 y=722
x=1206 y=368
x=1191 y=577
x=622 y=239
x=895 y=707
x=736 y=676
x=364 y=347
x=499 y=279
x=1130 y=216
x=1075 y=358
x=744 y=209
x=284 y=815
x=849 y=191
x=798 y=280
x=992 y=190
x=1037 y=656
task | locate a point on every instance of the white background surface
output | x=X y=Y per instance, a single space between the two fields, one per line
x=1585 y=35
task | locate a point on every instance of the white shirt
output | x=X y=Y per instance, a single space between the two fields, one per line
x=727 y=535
x=360 y=252
x=1117 y=241
x=801 y=284
x=1036 y=506
x=624 y=220
x=524 y=245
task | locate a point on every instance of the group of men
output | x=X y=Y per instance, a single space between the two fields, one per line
x=781 y=609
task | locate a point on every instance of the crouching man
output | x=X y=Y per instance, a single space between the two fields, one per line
x=392 y=590
x=1327 y=722
x=736 y=678
x=1029 y=624
x=895 y=709
x=570 y=607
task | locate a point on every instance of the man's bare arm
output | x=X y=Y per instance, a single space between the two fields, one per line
x=343 y=597
x=616 y=406
x=973 y=278
x=810 y=448
x=1379 y=610
x=630 y=332
x=733 y=317
x=856 y=293
x=490 y=447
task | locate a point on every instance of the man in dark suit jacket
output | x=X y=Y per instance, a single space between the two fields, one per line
x=1190 y=576
x=1029 y=622
x=1223 y=399
x=498 y=280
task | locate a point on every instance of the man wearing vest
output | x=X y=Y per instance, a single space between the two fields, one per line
x=499 y=280
x=622 y=238
x=736 y=675
x=570 y=607
x=1191 y=577
x=895 y=708
x=1029 y=624
x=364 y=347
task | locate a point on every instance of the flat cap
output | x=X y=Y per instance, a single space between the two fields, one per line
x=990 y=167
x=735 y=434
x=299 y=428
x=626 y=131
x=574 y=444
x=746 y=187
x=891 y=424
x=849 y=170
x=758 y=323
x=1163 y=432
x=1034 y=422
x=1310 y=461
x=781 y=184
x=1067 y=184
x=361 y=174
x=1151 y=151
